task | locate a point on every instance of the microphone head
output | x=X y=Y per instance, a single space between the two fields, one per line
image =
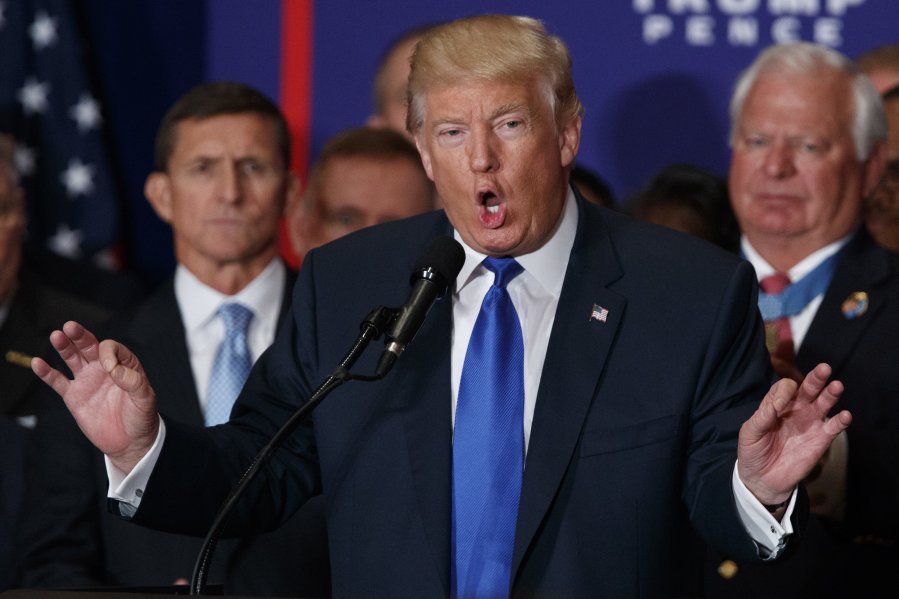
x=440 y=262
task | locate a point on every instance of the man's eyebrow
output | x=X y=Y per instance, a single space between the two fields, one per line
x=510 y=107
x=447 y=120
x=204 y=157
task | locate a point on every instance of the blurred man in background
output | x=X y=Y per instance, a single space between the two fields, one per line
x=222 y=183
x=389 y=85
x=29 y=310
x=808 y=145
x=362 y=177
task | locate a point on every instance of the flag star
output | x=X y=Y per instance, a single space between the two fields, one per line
x=86 y=113
x=78 y=178
x=66 y=242
x=43 y=31
x=25 y=159
x=2 y=15
x=33 y=96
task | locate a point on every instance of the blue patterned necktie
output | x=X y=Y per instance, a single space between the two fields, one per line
x=488 y=444
x=232 y=364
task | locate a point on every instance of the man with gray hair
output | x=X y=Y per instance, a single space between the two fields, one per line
x=579 y=399
x=808 y=139
x=29 y=310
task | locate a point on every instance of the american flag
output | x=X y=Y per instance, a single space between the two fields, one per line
x=599 y=313
x=48 y=105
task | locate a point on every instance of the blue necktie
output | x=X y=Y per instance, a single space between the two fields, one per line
x=232 y=364
x=488 y=444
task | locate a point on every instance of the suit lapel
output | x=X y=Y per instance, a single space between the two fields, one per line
x=578 y=348
x=862 y=269
x=163 y=351
x=422 y=389
x=156 y=325
x=19 y=341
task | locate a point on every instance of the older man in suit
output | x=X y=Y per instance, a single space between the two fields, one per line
x=808 y=138
x=29 y=310
x=221 y=182
x=554 y=441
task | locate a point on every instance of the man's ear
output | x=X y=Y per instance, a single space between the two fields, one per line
x=376 y=121
x=294 y=194
x=875 y=165
x=570 y=141
x=425 y=155
x=294 y=217
x=158 y=190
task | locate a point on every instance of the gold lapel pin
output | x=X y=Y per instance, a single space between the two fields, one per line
x=855 y=305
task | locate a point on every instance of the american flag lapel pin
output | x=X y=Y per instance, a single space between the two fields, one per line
x=599 y=313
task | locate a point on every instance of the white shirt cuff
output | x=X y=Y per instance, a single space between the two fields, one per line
x=769 y=535
x=128 y=489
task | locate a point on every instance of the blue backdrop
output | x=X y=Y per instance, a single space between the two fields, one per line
x=654 y=75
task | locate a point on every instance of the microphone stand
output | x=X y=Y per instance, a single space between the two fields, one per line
x=372 y=326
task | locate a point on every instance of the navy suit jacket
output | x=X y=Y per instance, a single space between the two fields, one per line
x=36 y=309
x=633 y=437
x=858 y=556
x=68 y=538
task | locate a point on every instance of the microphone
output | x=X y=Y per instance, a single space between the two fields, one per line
x=438 y=266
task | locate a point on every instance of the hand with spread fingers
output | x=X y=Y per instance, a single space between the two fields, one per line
x=109 y=396
x=788 y=433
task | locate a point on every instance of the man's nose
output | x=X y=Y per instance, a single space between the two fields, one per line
x=483 y=156
x=780 y=160
x=230 y=184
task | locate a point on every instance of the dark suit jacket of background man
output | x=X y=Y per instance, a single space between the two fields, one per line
x=678 y=365
x=69 y=538
x=858 y=557
x=35 y=311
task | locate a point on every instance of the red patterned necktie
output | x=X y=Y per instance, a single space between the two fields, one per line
x=778 y=330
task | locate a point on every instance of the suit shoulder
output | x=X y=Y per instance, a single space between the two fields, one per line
x=153 y=314
x=391 y=241
x=49 y=307
x=666 y=248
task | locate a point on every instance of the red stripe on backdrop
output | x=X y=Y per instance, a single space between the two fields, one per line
x=296 y=91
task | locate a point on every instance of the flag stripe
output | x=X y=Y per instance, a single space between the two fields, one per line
x=296 y=91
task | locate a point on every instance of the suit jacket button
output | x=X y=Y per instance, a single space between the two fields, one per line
x=728 y=569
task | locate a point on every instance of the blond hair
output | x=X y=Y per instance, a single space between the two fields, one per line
x=493 y=48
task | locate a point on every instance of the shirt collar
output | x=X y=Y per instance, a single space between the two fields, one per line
x=198 y=302
x=800 y=269
x=546 y=264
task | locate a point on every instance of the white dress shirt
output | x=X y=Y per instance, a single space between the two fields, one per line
x=800 y=323
x=205 y=331
x=535 y=295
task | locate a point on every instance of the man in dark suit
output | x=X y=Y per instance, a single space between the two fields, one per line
x=221 y=182
x=638 y=375
x=29 y=310
x=808 y=138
